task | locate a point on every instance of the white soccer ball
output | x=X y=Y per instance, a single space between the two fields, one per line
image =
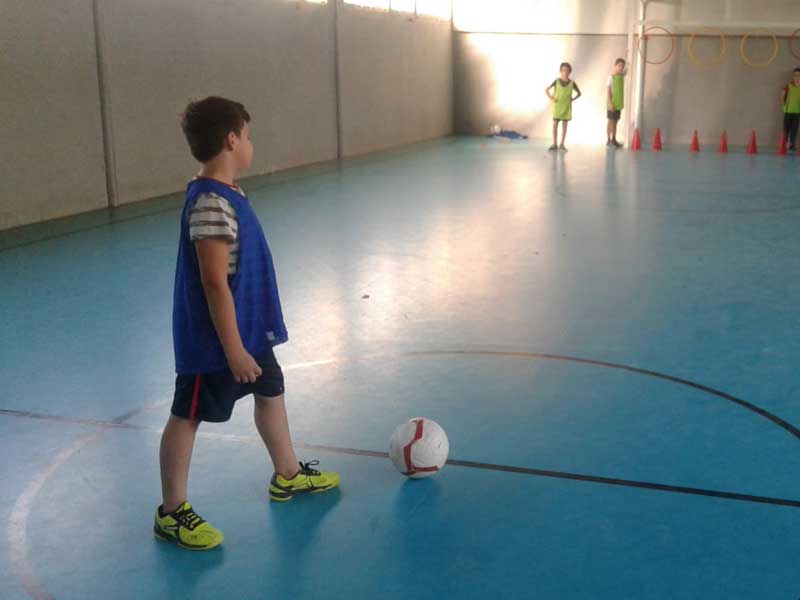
x=496 y=130
x=419 y=448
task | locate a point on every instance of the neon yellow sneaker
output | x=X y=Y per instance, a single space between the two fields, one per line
x=307 y=481
x=187 y=529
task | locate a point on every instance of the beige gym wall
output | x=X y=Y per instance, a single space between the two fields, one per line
x=51 y=161
x=396 y=79
x=276 y=56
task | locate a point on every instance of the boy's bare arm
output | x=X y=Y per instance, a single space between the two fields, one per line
x=213 y=258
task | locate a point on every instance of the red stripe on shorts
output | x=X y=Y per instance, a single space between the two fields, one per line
x=195 y=397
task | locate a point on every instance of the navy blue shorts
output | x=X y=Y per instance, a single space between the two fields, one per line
x=614 y=115
x=211 y=396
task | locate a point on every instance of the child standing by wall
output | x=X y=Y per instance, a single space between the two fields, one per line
x=790 y=98
x=562 y=97
x=616 y=101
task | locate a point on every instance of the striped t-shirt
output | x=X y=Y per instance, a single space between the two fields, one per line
x=214 y=218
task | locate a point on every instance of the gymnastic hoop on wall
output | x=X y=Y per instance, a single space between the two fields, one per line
x=792 y=39
x=671 y=49
x=770 y=60
x=723 y=47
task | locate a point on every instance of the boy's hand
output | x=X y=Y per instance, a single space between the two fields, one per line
x=244 y=367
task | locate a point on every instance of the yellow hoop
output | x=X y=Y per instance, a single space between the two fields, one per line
x=723 y=50
x=775 y=49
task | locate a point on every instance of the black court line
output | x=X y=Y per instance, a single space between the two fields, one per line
x=785 y=425
x=646 y=485
x=661 y=487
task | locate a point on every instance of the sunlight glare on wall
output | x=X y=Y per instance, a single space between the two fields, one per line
x=510 y=15
x=542 y=16
x=382 y=4
x=441 y=9
x=403 y=5
x=516 y=91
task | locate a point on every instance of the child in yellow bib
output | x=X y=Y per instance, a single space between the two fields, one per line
x=790 y=98
x=615 y=101
x=562 y=98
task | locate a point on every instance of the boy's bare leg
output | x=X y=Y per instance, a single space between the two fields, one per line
x=563 y=132
x=177 y=443
x=555 y=133
x=609 y=130
x=614 y=130
x=272 y=423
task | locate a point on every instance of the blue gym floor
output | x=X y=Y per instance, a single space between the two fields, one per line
x=609 y=338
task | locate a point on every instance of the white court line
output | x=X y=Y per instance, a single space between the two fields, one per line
x=17 y=532
x=18 y=521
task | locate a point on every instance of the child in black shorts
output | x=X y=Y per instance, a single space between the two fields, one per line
x=226 y=319
x=615 y=101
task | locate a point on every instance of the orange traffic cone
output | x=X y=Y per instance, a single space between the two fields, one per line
x=636 y=144
x=723 y=143
x=782 y=151
x=657 y=147
x=752 y=146
x=695 y=147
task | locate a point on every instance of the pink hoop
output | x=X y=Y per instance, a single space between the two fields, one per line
x=671 y=49
x=792 y=40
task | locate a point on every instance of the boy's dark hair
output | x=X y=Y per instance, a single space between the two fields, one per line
x=565 y=64
x=619 y=61
x=796 y=70
x=206 y=123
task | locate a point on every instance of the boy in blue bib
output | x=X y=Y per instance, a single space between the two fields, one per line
x=226 y=319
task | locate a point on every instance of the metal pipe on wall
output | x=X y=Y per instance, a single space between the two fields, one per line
x=337 y=78
x=105 y=109
x=640 y=62
x=630 y=56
